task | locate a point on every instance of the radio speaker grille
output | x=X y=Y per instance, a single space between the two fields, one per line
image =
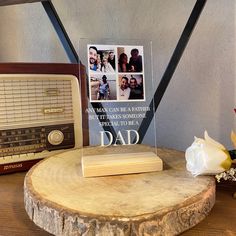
x=35 y=100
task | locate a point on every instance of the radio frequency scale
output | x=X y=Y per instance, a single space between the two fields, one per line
x=40 y=115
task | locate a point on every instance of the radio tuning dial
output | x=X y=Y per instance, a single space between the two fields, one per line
x=55 y=137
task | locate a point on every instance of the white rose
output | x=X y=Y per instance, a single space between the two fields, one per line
x=207 y=156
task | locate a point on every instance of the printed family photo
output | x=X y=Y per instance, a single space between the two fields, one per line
x=130 y=59
x=131 y=87
x=102 y=59
x=116 y=73
x=103 y=87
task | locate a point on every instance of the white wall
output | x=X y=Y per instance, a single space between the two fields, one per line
x=202 y=93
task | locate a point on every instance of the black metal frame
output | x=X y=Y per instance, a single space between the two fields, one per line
x=166 y=78
x=61 y=32
x=172 y=65
x=70 y=51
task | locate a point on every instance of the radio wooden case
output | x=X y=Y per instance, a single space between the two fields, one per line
x=40 y=115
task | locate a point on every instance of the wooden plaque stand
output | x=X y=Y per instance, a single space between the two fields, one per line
x=121 y=163
x=61 y=201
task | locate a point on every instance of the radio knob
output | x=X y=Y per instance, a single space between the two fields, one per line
x=55 y=137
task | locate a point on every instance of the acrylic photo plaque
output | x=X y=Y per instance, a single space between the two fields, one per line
x=120 y=91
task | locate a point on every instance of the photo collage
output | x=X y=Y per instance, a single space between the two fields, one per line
x=116 y=73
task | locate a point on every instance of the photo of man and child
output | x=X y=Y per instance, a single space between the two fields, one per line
x=116 y=73
x=103 y=87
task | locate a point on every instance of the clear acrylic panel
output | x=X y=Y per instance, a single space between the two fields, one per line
x=120 y=92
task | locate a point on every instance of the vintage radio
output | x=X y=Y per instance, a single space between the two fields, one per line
x=40 y=115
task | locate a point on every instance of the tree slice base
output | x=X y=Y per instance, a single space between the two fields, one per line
x=61 y=201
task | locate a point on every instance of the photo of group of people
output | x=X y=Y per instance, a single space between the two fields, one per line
x=102 y=60
x=116 y=73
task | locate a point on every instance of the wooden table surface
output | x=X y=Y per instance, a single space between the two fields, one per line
x=15 y=222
